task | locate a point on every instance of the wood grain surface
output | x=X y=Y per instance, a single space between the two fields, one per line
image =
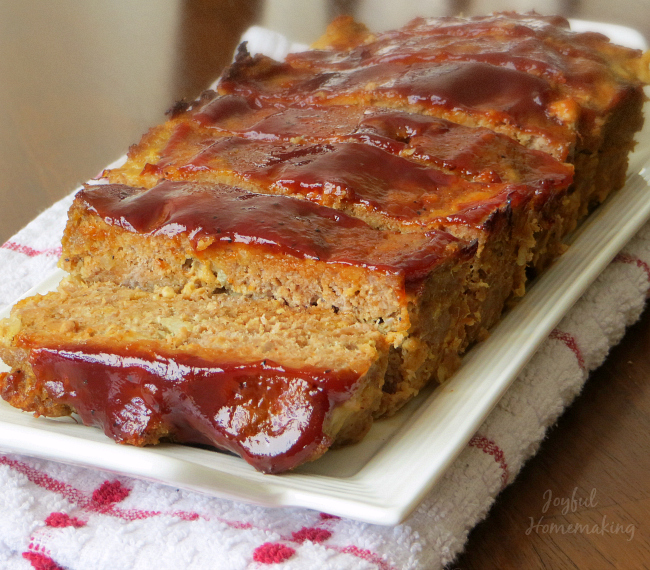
x=83 y=81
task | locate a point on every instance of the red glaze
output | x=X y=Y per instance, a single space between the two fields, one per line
x=368 y=178
x=224 y=215
x=476 y=154
x=310 y=123
x=364 y=174
x=502 y=95
x=577 y=65
x=538 y=45
x=505 y=69
x=270 y=415
x=469 y=86
x=392 y=191
x=221 y=109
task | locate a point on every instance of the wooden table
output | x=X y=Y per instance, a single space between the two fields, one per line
x=82 y=81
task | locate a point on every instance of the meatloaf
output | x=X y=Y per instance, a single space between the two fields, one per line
x=187 y=235
x=303 y=248
x=275 y=385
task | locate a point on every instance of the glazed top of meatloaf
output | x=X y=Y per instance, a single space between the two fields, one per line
x=525 y=75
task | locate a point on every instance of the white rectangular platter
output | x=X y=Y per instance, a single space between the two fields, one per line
x=366 y=481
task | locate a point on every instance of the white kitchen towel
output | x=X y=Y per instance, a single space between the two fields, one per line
x=55 y=516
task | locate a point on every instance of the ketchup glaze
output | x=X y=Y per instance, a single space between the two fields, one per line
x=270 y=415
x=222 y=215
